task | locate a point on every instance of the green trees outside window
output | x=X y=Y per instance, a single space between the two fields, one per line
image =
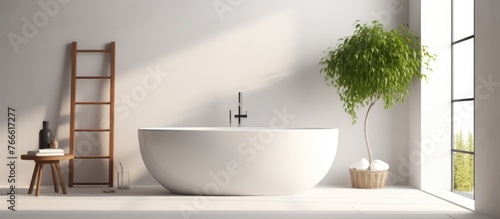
x=463 y=165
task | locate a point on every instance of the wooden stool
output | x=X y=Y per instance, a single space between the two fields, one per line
x=37 y=172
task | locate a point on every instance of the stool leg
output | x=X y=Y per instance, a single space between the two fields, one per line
x=39 y=180
x=35 y=173
x=54 y=177
x=61 y=180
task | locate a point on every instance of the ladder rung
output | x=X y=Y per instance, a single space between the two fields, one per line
x=90 y=183
x=93 y=77
x=92 y=130
x=91 y=157
x=92 y=103
x=93 y=50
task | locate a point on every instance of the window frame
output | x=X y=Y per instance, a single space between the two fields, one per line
x=453 y=100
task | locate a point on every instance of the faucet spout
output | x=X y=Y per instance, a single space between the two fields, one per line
x=240 y=106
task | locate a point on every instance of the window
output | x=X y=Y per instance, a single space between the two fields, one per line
x=463 y=97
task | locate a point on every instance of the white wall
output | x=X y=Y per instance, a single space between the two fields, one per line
x=181 y=63
x=415 y=117
x=487 y=121
x=430 y=135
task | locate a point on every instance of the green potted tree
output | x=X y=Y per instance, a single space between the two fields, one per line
x=371 y=65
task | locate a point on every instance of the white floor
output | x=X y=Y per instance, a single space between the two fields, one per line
x=156 y=202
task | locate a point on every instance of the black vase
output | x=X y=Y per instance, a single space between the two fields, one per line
x=44 y=136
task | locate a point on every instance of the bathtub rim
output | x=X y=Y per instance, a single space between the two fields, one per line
x=231 y=129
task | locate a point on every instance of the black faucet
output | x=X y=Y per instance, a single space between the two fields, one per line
x=239 y=115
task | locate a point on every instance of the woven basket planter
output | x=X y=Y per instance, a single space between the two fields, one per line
x=366 y=179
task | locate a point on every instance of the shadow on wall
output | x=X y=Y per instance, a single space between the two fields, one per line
x=187 y=32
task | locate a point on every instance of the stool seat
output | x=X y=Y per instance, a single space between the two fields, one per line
x=54 y=164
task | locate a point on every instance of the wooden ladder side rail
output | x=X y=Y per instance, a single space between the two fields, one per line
x=72 y=115
x=111 y=103
x=111 y=113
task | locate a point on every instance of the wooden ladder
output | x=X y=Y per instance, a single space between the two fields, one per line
x=75 y=103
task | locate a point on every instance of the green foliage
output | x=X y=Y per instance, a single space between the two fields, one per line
x=375 y=64
x=463 y=164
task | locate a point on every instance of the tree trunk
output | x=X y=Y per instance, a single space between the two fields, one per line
x=368 y=147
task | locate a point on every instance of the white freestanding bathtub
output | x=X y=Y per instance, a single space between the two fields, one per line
x=238 y=161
